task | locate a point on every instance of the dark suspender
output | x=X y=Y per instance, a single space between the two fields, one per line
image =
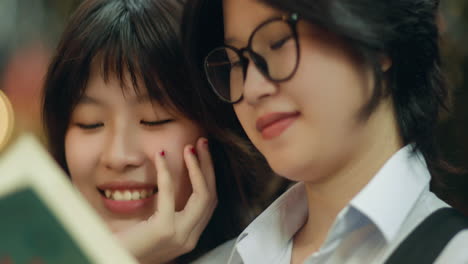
x=425 y=243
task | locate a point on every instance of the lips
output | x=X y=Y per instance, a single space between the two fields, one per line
x=274 y=124
x=127 y=197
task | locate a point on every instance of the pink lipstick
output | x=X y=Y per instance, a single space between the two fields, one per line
x=274 y=124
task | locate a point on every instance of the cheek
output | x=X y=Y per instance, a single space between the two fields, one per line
x=173 y=141
x=81 y=161
x=333 y=87
x=81 y=153
x=331 y=90
x=246 y=115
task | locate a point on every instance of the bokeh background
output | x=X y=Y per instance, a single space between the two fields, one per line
x=30 y=29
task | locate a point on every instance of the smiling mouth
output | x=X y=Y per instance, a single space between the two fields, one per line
x=274 y=124
x=128 y=194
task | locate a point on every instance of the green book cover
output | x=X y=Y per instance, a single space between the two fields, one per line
x=44 y=220
x=30 y=233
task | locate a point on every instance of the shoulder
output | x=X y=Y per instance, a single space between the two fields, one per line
x=218 y=255
x=455 y=251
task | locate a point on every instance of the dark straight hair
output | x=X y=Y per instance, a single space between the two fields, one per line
x=404 y=30
x=140 y=39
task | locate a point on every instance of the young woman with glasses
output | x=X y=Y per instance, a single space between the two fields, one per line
x=342 y=97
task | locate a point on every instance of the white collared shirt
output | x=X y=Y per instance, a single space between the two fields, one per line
x=367 y=230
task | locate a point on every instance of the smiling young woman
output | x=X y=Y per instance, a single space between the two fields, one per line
x=121 y=120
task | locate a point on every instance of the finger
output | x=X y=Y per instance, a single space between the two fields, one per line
x=207 y=168
x=141 y=238
x=198 y=210
x=197 y=178
x=200 y=204
x=198 y=199
x=194 y=226
x=206 y=165
x=166 y=192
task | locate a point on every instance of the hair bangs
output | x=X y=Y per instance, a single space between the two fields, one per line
x=123 y=56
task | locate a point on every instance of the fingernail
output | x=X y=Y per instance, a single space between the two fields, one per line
x=205 y=142
x=162 y=153
x=192 y=149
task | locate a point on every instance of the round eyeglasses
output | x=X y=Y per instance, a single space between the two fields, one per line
x=273 y=47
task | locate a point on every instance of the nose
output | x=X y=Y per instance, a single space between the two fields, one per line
x=122 y=151
x=256 y=86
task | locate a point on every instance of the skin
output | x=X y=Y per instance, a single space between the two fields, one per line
x=327 y=147
x=112 y=138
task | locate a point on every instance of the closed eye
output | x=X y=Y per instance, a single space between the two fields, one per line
x=278 y=44
x=156 y=123
x=89 y=126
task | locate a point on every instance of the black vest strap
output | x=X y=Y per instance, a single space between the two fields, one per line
x=425 y=243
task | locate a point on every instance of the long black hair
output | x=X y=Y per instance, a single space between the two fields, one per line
x=141 y=38
x=404 y=30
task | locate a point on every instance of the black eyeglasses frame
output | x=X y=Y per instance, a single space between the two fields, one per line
x=291 y=20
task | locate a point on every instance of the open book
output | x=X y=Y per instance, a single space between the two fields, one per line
x=43 y=218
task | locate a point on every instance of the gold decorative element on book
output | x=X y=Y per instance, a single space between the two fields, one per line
x=6 y=120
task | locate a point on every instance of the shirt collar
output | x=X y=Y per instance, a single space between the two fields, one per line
x=385 y=201
x=391 y=194
x=275 y=226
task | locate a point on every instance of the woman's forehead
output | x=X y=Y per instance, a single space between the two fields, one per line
x=241 y=17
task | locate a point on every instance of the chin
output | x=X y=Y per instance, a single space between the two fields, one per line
x=298 y=170
x=288 y=172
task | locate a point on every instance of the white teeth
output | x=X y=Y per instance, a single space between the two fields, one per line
x=118 y=196
x=128 y=195
x=135 y=195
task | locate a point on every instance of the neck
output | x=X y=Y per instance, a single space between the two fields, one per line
x=326 y=198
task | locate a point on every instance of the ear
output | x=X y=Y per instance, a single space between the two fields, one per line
x=386 y=63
